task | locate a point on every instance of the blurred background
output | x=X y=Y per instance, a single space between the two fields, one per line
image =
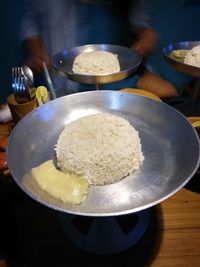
x=174 y=20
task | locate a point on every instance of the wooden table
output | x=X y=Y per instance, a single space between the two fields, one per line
x=179 y=227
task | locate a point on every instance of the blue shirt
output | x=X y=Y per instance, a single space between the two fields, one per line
x=64 y=24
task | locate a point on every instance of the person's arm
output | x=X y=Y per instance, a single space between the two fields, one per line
x=145 y=42
x=140 y=21
x=36 y=54
x=31 y=32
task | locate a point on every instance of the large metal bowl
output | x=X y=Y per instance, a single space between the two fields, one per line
x=129 y=61
x=177 y=63
x=169 y=143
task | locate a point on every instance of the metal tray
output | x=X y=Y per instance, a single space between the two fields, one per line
x=129 y=61
x=169 y=143
x=178 y=64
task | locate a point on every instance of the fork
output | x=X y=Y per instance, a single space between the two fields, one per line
x=17 y=80
x=20 y=85
x=16 y=72
x=28 y=81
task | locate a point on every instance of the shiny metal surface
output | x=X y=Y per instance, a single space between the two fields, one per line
x=27 y=72
x=169 y=143
x=178 y=64
x=129 y=61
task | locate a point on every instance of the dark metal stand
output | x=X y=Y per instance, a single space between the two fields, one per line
x=105 y=235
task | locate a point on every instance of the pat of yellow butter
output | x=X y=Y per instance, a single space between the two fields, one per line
x=67 y=187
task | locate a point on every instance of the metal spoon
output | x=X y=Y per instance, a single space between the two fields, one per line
x=29 y=79
x=27 y=72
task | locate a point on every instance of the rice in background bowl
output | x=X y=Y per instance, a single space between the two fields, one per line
x=193 y=57
x=96 y=63
x=103 y=147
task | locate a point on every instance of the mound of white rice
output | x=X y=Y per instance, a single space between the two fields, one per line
x=96 y=63
x=103 y=147
x=193 y=57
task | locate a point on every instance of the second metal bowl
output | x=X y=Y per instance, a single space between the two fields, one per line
x=177 y=63
x=129 y=61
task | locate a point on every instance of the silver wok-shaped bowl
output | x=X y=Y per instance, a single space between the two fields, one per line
x=169 y=143
x=178 y=63
x=129 y=61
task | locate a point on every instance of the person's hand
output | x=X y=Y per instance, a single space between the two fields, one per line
x=35 y=62
x=36 y=55
x=146 y=42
